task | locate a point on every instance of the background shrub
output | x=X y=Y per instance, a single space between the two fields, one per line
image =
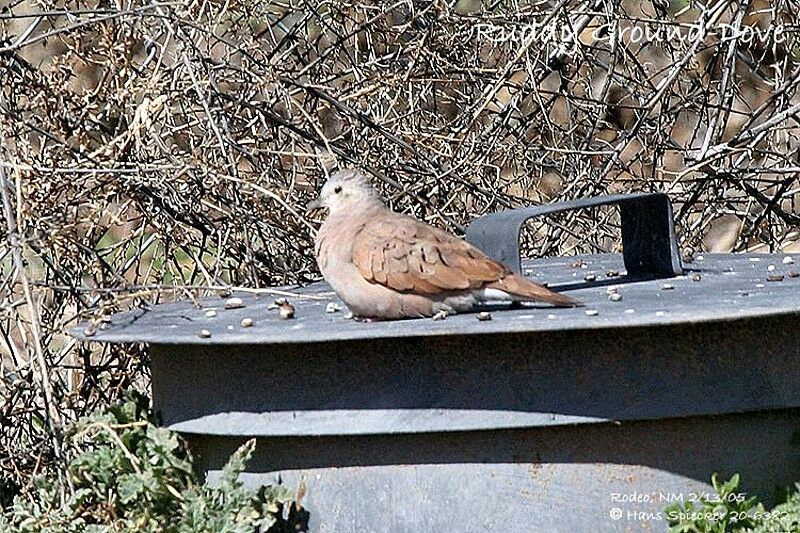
x=127 y=474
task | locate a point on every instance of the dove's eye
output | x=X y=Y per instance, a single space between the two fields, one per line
x=337 y=189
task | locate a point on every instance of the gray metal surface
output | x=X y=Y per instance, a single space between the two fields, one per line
x=497 y=381
x=549 y=480
x=539 y=431
x=733 y=286
x=650 y=248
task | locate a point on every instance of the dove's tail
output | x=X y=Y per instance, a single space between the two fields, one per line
x=520 y=289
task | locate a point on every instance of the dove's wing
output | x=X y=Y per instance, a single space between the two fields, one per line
x=407 y=255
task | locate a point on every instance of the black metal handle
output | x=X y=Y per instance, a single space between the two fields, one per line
x=649 y=246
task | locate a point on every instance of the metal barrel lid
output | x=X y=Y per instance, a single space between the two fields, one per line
x=715 y=287
x=652 y=288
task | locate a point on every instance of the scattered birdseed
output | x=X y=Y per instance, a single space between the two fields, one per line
x=204 y=334
x=696 y=277
x=788 y=260
x=775 y=277
x=793 y=274
x=551 y=316
x=591 y=312
x=589 y=277
x=667 y=287
x=211 y=313
x=578 y=264
x=277 y=303
x=483 y=316
x=615 y=296
x=755 y=259
x=90 y=330
x=688 y=254
x=612 y=288
x=759 y=285
x=348 y=316
x=286 y=310
x=660 y=313
x=441 y=315
x=332 y=307
x=612 y=273
x=700 y=258
x=771 y=268
x=234 y=303
x=630 y=311
x=247 y=322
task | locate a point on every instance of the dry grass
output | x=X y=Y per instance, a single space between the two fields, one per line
x=153 y=149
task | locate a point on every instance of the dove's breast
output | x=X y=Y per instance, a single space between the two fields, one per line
x=334 y=252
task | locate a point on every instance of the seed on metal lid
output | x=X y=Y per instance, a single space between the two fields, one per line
x=612 y=273
x=483 y=316
x=332 y=307
x=775 y=277
x=204 y=334
x=667 y=287
x=286 y=310
x=793 y=274
x=615 y=296
x=771 y=268
x=589 y=277
x=234 y=303
x=211 y=313
x=90 y=330
x=247 y=322
x=441 y=315
x=696 y=277
x=788 y=260
x=591 y=312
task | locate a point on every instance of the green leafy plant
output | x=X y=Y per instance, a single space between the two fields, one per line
x=731 y=511
x=128 y=474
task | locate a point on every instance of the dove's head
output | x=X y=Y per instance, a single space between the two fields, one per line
x=346 y=190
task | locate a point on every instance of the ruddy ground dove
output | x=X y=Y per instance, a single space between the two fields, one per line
x=387 y=265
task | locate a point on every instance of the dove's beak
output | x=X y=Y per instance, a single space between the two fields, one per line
x=313 y=204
